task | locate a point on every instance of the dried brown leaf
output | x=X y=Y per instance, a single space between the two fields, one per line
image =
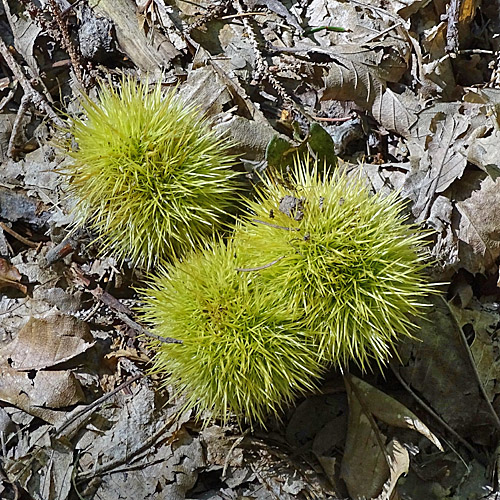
x=399 y=464
x=396 y=112
x=10 y=276
x=479 y=227
x=365 y=465
x=390 y=411
x=54 y=464
x=44 y=343
x=483 y=152
x=483 y=348
x=439 y=161
x=438 y=366
x=41 y=392
x=359 y=72
x=132 y=39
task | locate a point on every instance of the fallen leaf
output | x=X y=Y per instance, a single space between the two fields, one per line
x=479 y=227
x=365 y=465
x=10 y=276
x=483 y=153
x=132 y=39
x=439 y=163
x=399 y=464
x=252 y=137
x=360 y=71
x=45 y=473
x=47 y=342
x=41 y=392
x=16 y=205
x=389 y=410
x=447 y=243
x=396 y=112
x=436 y=364
x=484 y=346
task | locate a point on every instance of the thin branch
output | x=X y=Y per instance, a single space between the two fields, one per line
x=121 y=311
x=23 y=107
x=75 y=416
x=265 y=266
x=18 y=237
x=95 y=404
x=76 y=59
x=8 y=97
x=434 y=415
x=33 y=95
x=128 y=459
x=275 y=225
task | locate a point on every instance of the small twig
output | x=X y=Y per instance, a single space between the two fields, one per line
x=22 y=239
x=121 y=311
x=33 y=95
x=434 y=415
x=66 y=11
x=8 y=97
x=230 y=452
x=265 y=266
x=244 y=14
x=23 y=107
x=270 y=224
x=474 y=51
x=91 y=313
x=62 y=249
x=95 y=404
x=57 y=430
x=321 y=119
x=129 y=459
x=68 y=44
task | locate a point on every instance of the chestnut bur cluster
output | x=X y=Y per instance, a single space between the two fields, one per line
x=316 y=273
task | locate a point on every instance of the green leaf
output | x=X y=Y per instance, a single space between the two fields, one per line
x=280 y=152
x=322 y=146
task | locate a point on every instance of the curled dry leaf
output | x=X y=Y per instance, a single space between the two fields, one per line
x=478 y=227
x=367 y=465
x=40 y=393
x=43 y=343
x=399 y=464
x=439 y=366
x=389 y=410
x=10 y=276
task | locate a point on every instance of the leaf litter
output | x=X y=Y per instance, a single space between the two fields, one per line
x=406 y=89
